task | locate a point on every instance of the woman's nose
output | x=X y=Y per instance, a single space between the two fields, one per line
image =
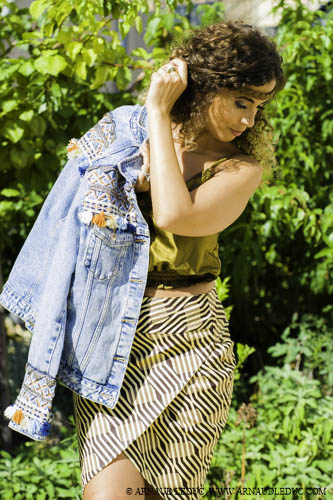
x=248 y=120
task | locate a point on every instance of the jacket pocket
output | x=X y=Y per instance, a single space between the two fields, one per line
x=104 y=252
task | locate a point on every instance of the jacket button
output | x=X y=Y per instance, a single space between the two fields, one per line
x=111 y=397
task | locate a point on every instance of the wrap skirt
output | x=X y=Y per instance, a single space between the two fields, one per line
x=174 y=400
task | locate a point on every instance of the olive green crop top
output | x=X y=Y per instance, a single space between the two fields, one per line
x=179 y=261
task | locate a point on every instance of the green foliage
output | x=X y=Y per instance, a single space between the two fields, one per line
x=210 y=13
x=307 y=346
x=165 y=28
x=279 y=253
x=41 y=471
x=243 y=351
x=160 y=27
x=51 y=89
x=222 y=289
x=56 y=58
x=291 y=443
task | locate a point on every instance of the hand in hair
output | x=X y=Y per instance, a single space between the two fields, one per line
x=166 y=85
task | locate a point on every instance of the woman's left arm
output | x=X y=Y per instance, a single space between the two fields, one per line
x=218 y=202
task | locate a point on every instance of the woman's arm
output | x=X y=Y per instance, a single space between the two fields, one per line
x=211 y=207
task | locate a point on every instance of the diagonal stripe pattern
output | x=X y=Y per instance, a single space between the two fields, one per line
x=174 y=400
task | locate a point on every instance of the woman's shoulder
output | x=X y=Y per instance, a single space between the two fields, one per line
x=247 y=169
x=237 y=161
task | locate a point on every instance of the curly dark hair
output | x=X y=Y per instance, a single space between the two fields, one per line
x=229 y=55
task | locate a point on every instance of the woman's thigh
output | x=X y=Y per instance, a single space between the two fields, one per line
x=118 y=480
x=150 y=493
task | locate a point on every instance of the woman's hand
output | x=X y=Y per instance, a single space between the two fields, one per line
x=166 y=85
x=142 y=183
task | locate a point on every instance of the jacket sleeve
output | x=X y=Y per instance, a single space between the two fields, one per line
x=36 y=291
x=56 y=229
x=40 y=280
x=25 y=286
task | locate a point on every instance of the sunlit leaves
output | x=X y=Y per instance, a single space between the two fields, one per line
x=50 y=65
x=73 y=49
x=13 y=131
x=53 y=89
x=26 y=116
x=123 y=78
x=27 y=68
x=37 y=8
x=291 y=442
x=279 y=254
x=9 y=193
x=101 y=76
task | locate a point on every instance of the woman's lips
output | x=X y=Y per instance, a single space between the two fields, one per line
x=236 y=132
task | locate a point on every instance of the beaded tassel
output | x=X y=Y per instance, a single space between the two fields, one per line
x=99 y=220
x=73 y=148
x=18 y=417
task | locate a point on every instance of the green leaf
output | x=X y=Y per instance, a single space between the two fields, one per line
x=26 y=68
x=123 y=78
x=37 y=8
x=73 y=49
x=51 y=65
x=124 y=28
x=9 y=105
x=65 y=36
x=18 y=157
x=81 y=70
x=9 y=192
x=38 y=126
x=7 y=69
x=26 y=116
x=140 y=52
x=243 y=352
x=138 y=24
x=89 y=56
x=6 y=207
x=101 y=76
x=13 y=131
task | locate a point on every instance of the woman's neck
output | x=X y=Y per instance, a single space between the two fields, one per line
x=207 y=145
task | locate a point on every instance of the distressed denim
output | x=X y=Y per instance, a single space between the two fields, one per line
x=79 y=279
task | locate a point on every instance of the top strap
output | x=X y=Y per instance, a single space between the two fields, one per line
x=204 y=175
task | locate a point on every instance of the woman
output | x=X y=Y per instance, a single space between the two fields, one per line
x=209 y=142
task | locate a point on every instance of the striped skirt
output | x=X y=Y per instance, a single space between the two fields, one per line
x=174 y=400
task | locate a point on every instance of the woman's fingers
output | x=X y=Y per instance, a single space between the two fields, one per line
x=181 y=68
x=145 y=153
x=142 y=182
x=167 y=84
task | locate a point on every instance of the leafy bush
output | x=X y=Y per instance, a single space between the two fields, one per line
x=279 y=253
x=282 y=439
x=39 y=471
x=286 y=431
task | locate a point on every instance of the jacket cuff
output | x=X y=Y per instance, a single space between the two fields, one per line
x=31 y=413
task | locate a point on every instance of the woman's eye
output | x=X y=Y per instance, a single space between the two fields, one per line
x=240 y=105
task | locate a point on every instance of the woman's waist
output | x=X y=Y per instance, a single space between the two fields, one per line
x=179 y=291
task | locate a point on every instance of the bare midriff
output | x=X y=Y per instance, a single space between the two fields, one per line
x=195 y=289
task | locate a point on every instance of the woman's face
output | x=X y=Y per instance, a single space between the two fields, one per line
x=232 y=112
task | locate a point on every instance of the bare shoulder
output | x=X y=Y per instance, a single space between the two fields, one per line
x=240 y=161
x=242 y=167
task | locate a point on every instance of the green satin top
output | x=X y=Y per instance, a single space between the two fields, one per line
x=178 y=261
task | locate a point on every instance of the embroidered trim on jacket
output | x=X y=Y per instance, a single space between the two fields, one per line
x=94 y=142
x=31 y=413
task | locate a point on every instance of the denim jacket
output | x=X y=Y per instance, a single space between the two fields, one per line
x=79 y=279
